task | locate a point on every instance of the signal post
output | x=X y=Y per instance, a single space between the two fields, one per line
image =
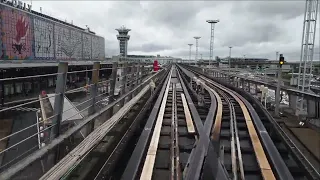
x=277 y=101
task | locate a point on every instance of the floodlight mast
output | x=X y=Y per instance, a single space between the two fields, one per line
x=197 y=38
x=307 y=50
x=190 y=45
x=212 y=23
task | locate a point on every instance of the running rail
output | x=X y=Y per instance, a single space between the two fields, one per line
x=203 y=145
x=273 y=154
x=120 y=148
x=152 y=150
x=263 y=162
x=298 y=155
x=132 y=168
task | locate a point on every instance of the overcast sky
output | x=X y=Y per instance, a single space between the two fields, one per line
x=253 y=28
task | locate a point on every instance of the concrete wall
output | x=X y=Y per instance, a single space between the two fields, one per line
x=26 y=36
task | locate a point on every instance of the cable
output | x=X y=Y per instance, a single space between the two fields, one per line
x=5 y=150
x=28 y=77
x=12 y=107
x=26 y=152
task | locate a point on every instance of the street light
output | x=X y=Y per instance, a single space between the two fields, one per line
x=197 y=38
x=230 y=47
x=190 y=51
x=212 y=23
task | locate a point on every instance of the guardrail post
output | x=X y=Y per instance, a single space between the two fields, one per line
x=112 y=81
x=58 y=107
x=93 y=94
x=124 y=82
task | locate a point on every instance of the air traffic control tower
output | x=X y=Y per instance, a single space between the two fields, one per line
x=123 y=38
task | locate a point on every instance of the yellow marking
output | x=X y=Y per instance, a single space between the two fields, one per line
x=189 y=122
x=153 y=147
x=218 y=120
x=263 y=162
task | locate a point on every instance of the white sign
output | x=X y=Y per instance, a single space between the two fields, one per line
x=18 y=4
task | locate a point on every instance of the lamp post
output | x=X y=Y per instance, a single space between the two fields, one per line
x=190 y=45
x=212 y=23
x=197 y=38
x=230 y=47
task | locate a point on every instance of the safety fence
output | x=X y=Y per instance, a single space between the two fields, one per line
x=28 y=127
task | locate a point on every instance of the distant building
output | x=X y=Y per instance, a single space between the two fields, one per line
x=235 y=59
x=30 y=35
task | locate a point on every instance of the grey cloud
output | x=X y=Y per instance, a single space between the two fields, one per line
x=254 y=33
x=149 y=47
x=270 y=9
x=175 y=15
x=254 y=28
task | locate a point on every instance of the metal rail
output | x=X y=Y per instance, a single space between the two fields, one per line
x=261 y=156
x=213 y=168
x=109 y=165
x=278 y=164
x=131 y=171
x=168 y=127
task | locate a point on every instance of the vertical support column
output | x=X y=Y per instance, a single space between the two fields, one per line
x=124 y=82
x=131 y=80
x=138 y=77
x=255 y=88
x=142 y=70
x=133 y=76
x=58 y=108
x=277 y=103
x=138 y=74
x=112 y=85
x=311 y=108
x=59 y=99
x=93 y=94
x=242 y=83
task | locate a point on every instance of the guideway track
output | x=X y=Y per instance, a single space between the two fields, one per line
x=173 y=136
x=225 y=131
x=147 y=161
x=237 y=132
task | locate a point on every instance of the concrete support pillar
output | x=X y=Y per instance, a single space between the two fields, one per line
x=255 y=88
x=112 y=85
x=59 y=99
x=58 y=110
x=93 y=95
x=123 y=83
x=311 y=108
x=292 y=101
x=242 y=83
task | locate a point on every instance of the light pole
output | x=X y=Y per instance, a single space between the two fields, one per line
x=230 y=47
x=190 y=51
x=278 y=92
x=212 y=23
x=201 y=56
x=277 y=54
x=197 y=38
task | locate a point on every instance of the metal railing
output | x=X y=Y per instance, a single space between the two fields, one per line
x=40 y=125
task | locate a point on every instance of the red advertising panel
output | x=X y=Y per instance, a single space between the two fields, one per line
x=155 y=65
